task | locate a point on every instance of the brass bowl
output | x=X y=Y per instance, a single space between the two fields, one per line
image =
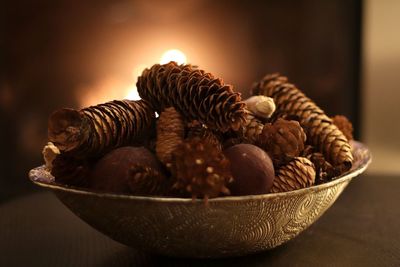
x=229 y=226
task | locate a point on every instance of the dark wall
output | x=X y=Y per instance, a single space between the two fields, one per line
x=55 y=52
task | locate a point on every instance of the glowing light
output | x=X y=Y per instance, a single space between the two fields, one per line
x=173 y=55
x=132 y=93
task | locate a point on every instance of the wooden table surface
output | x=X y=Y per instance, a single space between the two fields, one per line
x=361 y=229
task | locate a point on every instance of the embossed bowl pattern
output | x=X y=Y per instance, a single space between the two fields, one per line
x=228 y=226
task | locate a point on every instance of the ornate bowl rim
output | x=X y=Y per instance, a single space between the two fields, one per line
x=41 y=177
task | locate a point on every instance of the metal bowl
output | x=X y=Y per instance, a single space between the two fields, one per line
x=228 y=226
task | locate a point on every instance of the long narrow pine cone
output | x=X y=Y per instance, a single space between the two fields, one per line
x=96 y=130
x=320 y=130
x=251 y=129
x=200 y=169
x=170 y=133
x=298 y=173
x=145 y=181
x=197 y=95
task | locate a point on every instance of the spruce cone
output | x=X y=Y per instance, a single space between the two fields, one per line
x=321 y=131
x=251 y=129
x=145 y=181
x=298 y=173
x=324 y=170
x=194 y=93
x=170 y=133
x=283 y=140
x=196 y=129
x=71 y=171
x=200 y=169
x=344 y=125
x=96 y=130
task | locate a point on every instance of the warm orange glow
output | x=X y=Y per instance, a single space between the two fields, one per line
x=132 y=93
x=173 y=55
x=113 y=88
x=104 y=90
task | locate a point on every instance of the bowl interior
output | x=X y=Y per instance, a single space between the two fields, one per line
x=362 y=158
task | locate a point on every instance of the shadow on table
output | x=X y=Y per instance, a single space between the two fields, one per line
x=132 y=257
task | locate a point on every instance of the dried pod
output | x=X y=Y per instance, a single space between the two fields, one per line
x=283 y=140
x=96 y=130
x=298 y=173
x=261 y=106
x=343 y=123
x=197 y=95
x=200 y=169
x=69 y=170
x=50 y=152
x=146 y=181
x=321 y=131
x=170 y=133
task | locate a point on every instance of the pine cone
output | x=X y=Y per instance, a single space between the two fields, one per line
x=298 y=173
x=69 y=170
x=251 y=129
x=196 y=129
x=283 y=140
x=200 y=169
x=344 y=125
x=324 y=170
x=145 y=181
x=321 y=131
x=96 y=130
x=197 y=95
x=170 y=133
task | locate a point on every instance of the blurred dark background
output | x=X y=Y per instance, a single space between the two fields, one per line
x=75 y=53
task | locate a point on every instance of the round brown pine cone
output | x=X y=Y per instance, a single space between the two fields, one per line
x=320 y=130
x=344 y=125
x=170 y=133
x=196 y=129
x=298 y=173
x=283 y=140
x=70 y=171
x=143 y=180
x=197 y=95
x=200 y=169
